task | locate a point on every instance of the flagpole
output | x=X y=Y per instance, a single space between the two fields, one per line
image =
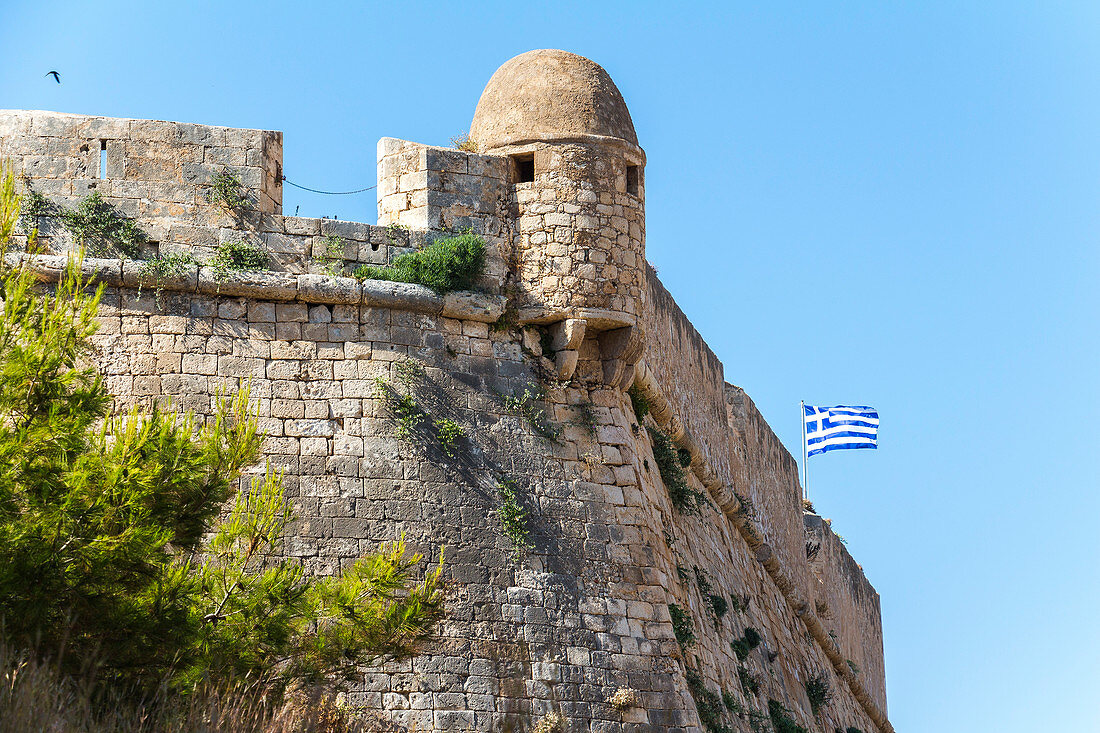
x=805 y=467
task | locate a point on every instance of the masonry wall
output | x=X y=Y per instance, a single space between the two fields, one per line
x=848 y=605
x=587 y=611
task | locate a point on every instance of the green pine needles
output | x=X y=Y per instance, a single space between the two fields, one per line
x=445 y=265
x=113 y=545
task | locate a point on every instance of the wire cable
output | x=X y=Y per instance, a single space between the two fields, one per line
x=329 y=193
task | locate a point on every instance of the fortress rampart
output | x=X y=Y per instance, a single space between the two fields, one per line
x=535 y=366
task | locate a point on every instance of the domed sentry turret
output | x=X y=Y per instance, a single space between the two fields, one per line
x=578 y=181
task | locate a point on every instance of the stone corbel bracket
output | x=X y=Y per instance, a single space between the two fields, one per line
x=620 y=339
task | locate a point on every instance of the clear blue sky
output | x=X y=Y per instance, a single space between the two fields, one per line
x=892 y=204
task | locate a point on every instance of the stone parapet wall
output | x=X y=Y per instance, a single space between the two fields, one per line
x=771 y=485
x=849 y=606
x=692 y=379
x=166 y=167
x=426 y=187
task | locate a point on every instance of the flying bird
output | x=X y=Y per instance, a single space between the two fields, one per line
x=55 y=75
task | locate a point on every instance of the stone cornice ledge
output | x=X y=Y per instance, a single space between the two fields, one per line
x=277 y=286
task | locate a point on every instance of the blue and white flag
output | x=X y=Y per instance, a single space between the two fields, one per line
x=839 y=428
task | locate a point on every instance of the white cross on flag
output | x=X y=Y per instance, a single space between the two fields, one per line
x=839 y=428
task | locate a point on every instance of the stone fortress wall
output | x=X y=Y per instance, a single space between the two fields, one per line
x=567 y=311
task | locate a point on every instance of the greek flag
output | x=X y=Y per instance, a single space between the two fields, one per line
x=839 y=428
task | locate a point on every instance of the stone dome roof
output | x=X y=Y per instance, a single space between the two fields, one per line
x=548 y=95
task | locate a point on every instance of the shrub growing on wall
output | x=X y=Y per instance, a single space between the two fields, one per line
x=683 y=497
x=96 y=224
x=444 y=266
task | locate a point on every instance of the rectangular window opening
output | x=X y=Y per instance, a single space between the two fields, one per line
x=632 y=179
x=525 y=168
x=103 y=159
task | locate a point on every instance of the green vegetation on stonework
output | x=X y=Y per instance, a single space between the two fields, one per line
x=165 y=267
x=745 y=506
x=684 y=456
x=681 y=625
x=702 y=581
x=748 y=641
x=331 y=259
x=402 y=407
x=527 y=405
x=546 y=341
x=32 y=205
x=116 y=548
x=237 y=256
x=506 y=321
x=853 y=729
x=449 y=433
x=408 y=373
x=684 y=498
x=445 y=265
x=227 y=191
x=853 y=666
x=100 y=229
x=739 y=603
x=759 y=722
x=731 y=703
x=748 y=680
x=513 y=518
x=639 y=402
x=818 y=692
x=707 y=703
x=718 y=606
x=781 y=718
x=586 y=418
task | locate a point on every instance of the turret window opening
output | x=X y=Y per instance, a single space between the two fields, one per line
x=525 y=167
x=632 y=179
